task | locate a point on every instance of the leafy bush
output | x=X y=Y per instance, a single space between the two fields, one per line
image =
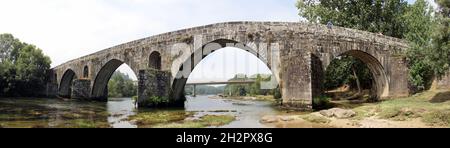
x=23 y=68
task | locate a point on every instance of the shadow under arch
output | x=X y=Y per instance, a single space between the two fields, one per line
x=190 y=63
x=65 y=86
x=100 y=86
x=380 y=88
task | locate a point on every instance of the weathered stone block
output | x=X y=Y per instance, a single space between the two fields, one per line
x=399 y=74
x=81 y=89
x=296 y=81
x=51 y=90
x=442 y=83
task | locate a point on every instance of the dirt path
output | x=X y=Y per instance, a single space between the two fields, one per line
x=377 y=123
x=371 y=122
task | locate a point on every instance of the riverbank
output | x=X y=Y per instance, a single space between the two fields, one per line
x=425 y=110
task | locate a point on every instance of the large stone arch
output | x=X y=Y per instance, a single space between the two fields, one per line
x=183 y=70
x=381 y=79
x=100 y=83
x=65 y=86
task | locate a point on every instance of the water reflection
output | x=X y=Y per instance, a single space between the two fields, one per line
x=29 y=113
x=120 y=109
x=248 y=113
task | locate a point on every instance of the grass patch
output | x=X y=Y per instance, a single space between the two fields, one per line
x=316 y=119
x=422 y=105
x=205 y=121
x=217 y=120
x=401 y=114
x=89 y=124
x=439 y=118
x=187 y=124
x=177 y=119
x=151 y=118
x=364 y=112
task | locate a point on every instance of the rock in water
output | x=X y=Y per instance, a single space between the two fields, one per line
x=338 y=113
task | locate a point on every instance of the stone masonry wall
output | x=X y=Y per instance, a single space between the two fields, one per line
x=81 y=89
x=155 y=89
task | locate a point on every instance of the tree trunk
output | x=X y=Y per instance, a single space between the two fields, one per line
x=358 y=83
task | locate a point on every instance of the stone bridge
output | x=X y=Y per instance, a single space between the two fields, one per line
x=296 y=53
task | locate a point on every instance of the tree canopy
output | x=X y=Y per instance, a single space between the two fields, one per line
x=121 y=85
x=23 y=68
x=440 y=45
x=380 y=16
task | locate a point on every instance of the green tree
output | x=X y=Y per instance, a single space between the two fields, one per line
x=440 y=48
x=343 y=71
x=23 y=68
x=379 y=16
x=121 y=85
x=419 y=27
x=255 y=88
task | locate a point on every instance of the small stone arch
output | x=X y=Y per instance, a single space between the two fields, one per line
x=86 y=72
x=155 y=60
x=65 y=86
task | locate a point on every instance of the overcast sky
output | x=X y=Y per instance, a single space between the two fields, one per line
x=68 y=29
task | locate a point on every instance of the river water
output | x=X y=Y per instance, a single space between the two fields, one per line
x=56 y=113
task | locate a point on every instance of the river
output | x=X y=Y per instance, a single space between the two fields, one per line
x=57 y=113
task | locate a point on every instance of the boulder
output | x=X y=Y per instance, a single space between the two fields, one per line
x=327 y=113
x=270 y=119
x=287 y=118
x=338 y=113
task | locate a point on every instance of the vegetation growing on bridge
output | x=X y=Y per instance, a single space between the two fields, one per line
x=23 y=68
x=428 y=34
